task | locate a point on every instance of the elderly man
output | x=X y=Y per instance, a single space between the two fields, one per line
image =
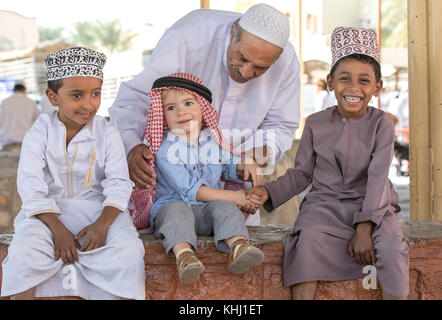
x=248 y=64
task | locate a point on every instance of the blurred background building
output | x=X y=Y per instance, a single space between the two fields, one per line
x=128 y=32
x=128 y=35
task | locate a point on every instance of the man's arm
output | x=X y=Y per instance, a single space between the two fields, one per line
x=129 y=111
x=282 y=119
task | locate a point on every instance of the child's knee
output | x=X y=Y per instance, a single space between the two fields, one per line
x=224 y=204
x=176 y=209
x=392 y=253
x=309 y=235
x=225 y=208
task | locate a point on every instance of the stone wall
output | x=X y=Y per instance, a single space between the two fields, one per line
x=10 y=202
x=265 y=281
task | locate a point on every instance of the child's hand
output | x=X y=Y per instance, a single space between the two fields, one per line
x=253 y=172
x=361 y=245
x=239 y=198
x=256 y=197
x=95 y=234
x=65 y=246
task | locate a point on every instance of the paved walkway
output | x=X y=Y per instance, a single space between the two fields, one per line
x=402 y=187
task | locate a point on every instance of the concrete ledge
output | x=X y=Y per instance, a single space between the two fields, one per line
x=265 y=281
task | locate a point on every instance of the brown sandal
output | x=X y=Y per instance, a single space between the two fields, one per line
x=189 y=268
x=243 y=256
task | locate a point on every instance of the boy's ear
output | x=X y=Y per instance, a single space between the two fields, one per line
x=378 y=88
x=330 y=83
x=52 y=96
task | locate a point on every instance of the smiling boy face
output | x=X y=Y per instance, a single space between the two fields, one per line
x=78 y=100
x=182 y=112
x=354 y=83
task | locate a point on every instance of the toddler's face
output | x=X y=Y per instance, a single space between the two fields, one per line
x=78 y=100
x=354 y=83
x=182 y=113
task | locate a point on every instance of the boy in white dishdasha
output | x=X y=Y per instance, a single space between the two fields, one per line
x=74 y=184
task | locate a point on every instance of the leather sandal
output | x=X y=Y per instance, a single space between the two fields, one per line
x=243 y=256
x=189 y=268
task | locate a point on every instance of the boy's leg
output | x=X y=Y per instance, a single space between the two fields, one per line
x=392 y=261
x=233 y=239
x=386 y=296
x=31 y=257
x=175 y=222
x=223 y=219
x=304 y=290
x=26 y=295
x=179 y=248
x=231 y=235
x=188 y=265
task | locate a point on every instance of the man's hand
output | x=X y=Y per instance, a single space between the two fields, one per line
x=259 y=155
x=361 y=245
x=249 y=170
x=139 y=170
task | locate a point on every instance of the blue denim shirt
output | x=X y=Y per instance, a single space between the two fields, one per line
x=182 y=168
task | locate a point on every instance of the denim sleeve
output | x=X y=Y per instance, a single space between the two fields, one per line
x=177 y=177
x=229 y=169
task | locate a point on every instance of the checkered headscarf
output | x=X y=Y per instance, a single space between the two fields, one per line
x=141 y=201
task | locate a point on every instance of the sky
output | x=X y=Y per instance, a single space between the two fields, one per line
x=147 y=17
x=53 y=13
x=61 y=13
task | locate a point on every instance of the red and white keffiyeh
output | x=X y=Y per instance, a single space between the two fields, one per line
x=141 y=201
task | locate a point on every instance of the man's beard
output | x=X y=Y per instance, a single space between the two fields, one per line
x=235 y=70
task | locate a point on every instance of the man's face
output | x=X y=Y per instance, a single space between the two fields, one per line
x=250 y=56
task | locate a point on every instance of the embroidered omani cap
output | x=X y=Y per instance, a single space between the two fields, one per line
x=74 y=62
x=267 y=23
x=346 y=41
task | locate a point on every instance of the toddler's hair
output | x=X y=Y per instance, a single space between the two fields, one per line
x=362 y=58
x=166 y=91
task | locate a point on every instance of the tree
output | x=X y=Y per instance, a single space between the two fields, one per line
x=111 y=36
x=85 y=34
x=5 y=44
x=108 y=35
x=394 y=23
x=51 y=33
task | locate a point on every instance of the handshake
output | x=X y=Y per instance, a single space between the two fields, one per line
x=255 y=199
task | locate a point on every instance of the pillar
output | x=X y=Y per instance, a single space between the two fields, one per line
x=425 y=74
x=205 y=4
